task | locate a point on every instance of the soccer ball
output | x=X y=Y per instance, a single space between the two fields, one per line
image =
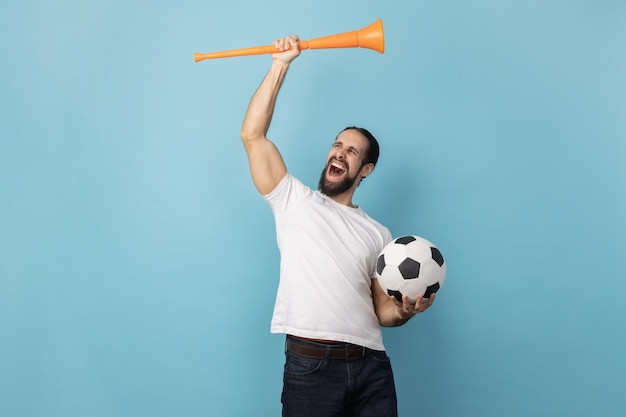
x=410 y=265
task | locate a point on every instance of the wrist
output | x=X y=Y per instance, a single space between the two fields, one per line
x=280 y=64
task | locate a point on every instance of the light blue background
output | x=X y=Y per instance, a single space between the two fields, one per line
x=138 y=265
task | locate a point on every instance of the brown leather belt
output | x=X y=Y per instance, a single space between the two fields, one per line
x=341 y=351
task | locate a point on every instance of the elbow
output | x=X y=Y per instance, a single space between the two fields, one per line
x=244 y=135
x=250 y=135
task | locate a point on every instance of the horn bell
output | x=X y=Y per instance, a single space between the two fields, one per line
x=372 y=37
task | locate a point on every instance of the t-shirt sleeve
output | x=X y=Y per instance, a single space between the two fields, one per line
x=287 y=193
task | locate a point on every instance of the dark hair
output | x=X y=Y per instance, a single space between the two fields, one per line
x=373 y=150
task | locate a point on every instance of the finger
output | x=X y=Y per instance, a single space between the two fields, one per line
x=420 y=304
x=395 y=301
x=425 y=303
x=431 y=300
x=407 y=304
x=292 y=42
x=409 y=308
x=284 y=43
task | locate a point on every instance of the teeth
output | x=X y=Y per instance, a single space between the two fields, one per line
x=337 y=165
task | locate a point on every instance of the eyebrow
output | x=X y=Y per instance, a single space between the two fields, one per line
x=338 y=142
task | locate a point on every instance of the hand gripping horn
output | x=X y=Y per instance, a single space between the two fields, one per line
x=370 y=37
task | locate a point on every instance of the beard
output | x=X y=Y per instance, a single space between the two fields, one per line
x=332 y=189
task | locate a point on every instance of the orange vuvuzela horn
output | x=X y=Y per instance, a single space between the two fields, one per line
x=370 y=37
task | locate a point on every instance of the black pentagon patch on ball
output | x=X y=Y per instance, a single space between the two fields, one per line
x=380 y=264
x=430 y=290
x=437 y=256
x=409 y=268
x=405 y=240
x=396 y=294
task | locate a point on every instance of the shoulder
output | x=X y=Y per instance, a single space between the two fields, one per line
x=286 y=183
x=288 y=191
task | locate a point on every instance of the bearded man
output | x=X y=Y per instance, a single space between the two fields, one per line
x=328 y=303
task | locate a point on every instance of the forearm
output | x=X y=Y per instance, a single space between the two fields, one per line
x=389 y=317
x=261 y=108
x=392 y=312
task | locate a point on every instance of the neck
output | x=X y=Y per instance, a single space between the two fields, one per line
x=345 y=199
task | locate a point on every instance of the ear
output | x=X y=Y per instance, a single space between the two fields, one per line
x=366 y=170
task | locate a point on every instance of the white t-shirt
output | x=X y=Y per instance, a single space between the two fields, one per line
x=328 y=257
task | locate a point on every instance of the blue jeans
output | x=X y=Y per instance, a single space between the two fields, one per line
x=334 y=387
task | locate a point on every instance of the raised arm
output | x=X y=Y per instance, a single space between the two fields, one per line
x=266 y=164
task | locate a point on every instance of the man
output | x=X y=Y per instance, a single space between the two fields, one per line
x=328 y=302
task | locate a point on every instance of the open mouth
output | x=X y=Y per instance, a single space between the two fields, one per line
x=336 y=169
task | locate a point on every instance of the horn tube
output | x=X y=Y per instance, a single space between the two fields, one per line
x=370 y=37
